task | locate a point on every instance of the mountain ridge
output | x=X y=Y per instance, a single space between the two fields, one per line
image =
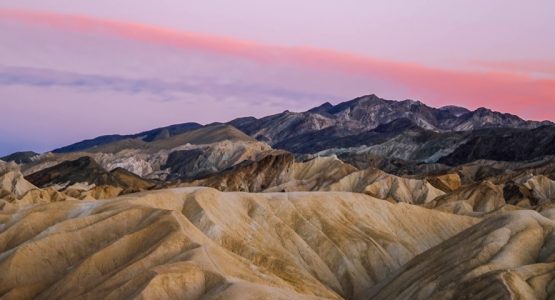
x=368 y=112
x=355 y=116
x=147 y=136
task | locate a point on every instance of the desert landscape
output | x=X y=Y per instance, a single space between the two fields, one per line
x=277 y=150
x=443 y=203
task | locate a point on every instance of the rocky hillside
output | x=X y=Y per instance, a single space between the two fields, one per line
x=22 y=157
x=147 y=136
x=486 y=261
x=222 y=146
x=87 y=172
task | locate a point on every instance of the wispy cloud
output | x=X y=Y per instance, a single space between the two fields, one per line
x=536 y=67
x=92 y=82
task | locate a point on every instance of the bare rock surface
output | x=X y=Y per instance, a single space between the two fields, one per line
x=509 y=256
x=194 y=243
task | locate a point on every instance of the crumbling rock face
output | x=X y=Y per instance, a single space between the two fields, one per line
x=85 y=174
x=252 y=176
x=16 y=192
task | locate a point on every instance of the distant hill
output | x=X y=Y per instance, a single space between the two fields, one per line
x=147 y=136
x=20 y=157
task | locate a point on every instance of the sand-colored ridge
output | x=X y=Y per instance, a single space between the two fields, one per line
x=385 y=186
x=198 y=242
x=509 y=256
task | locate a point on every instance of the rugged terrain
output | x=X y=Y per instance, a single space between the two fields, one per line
x=366 y=199
x=197 y=242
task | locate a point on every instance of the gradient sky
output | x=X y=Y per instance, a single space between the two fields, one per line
x=71 y=70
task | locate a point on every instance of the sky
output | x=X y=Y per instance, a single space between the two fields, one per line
x=71 y=70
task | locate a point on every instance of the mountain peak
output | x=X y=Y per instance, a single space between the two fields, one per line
x=457 y=111
x=410 y=101
x=483 y=110
x=368 y=98
x=324 y=108
x=363 y=101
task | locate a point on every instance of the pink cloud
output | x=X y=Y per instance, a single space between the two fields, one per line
x=510 y=90
x=539 y=67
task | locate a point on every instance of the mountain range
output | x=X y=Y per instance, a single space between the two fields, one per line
x=366 y=120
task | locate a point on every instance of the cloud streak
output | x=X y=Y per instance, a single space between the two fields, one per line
x=544 y=68
x=91 y=82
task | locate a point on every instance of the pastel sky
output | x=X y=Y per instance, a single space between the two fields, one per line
x=71 y=70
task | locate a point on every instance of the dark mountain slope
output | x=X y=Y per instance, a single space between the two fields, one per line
x=455 y=110
x=504 y=145
x=203 y=135
x=275 y=128
x=251 y=176
x=86 y=170
x=338 y=137
x=147 y=136
x=20 y=157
